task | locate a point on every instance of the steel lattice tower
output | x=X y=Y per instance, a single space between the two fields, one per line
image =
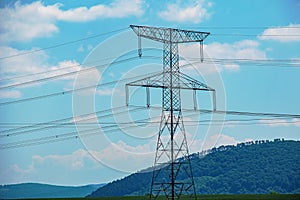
x=172 y=172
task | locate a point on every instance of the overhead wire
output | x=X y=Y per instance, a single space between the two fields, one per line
x=64 y=43
x=115 y=127
x=204 y=111
x=57 y=138
x=59 y=122
x=297 y=62
x=54 y=70
x=122 y=29
x=72 y=90
x=242 y=27
x=67 y=74
x=261 y=62
x=84 y=64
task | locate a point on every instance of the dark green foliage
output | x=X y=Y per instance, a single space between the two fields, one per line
x=134 y=184
x=245 y=169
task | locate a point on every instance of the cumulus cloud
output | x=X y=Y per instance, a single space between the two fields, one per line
x=31 y=66
x=23 y=22
x=290 y=33
x=228 y=53
x=30 y=63
x=74 y=161
x=280 y=122
x=218 y=140
x=195 y=12
x=13 y=94
x=52 y=168
x=27 y=63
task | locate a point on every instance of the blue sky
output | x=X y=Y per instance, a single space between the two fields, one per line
x=83 y=34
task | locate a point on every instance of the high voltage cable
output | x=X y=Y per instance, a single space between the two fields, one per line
x=66 y=74
x=61 y=137
x=90 y=132
x=230 y=112
x=61 y=120
x=71 y=91
x=53 y=70
x=241 y=27
x=72 y=124
x=122 y=29
x=74 y=72
x=251 y=35
x=291 y=62
x=95 y=86
x=36 y=127
x=58 y=123
x=63 y=44
x=67 y=67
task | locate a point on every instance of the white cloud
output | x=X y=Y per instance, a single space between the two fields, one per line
x=109 y=91
x=195 y=12
x=218 y=140
x=23 y=22
x=74 y=161
x=228 y=53
x=13 y=94
x=30 y=63
x=296 y=121
x=280 y=122
x=64 y=67
x=63 y=169
x=86 y=119
x=124 y=157
x=31 y=66
x=20 y=65
x=120 y=8
x=290 y=33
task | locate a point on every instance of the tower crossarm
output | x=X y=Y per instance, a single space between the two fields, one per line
x=169 y=35
x=185 y=82
x=191 y=83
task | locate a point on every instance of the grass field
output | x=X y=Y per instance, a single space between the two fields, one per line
x=206 y=197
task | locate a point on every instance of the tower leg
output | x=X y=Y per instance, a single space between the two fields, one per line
x=172 y=178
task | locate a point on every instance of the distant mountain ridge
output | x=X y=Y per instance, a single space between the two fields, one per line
x=253 y=167
x=36 y=190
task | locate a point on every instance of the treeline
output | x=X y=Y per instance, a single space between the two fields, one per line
x=253 y=168
x=226 y=147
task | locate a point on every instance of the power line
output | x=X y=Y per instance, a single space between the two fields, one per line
x=61 y=137
x=53 y=70
x=2 y=79
x=122 y=29
x=69 y=91
x=113 y=127
x=88 y=124
x=253 y=35
x=242 y=27
x=292 y=62
x=280 y=62
x=60 y=122
x=63 y=44
x=66 y=74
x=296 y=62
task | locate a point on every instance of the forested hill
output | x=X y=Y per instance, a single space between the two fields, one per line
x=260 y=167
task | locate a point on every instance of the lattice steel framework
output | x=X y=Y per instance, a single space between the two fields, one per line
x=172 y=172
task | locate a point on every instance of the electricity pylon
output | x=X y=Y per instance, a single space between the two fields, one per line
x=172 y=171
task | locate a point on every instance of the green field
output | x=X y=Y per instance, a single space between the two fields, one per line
x=206 y=197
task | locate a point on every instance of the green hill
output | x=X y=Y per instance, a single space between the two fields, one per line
x=35 y=190
x=248 y=168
